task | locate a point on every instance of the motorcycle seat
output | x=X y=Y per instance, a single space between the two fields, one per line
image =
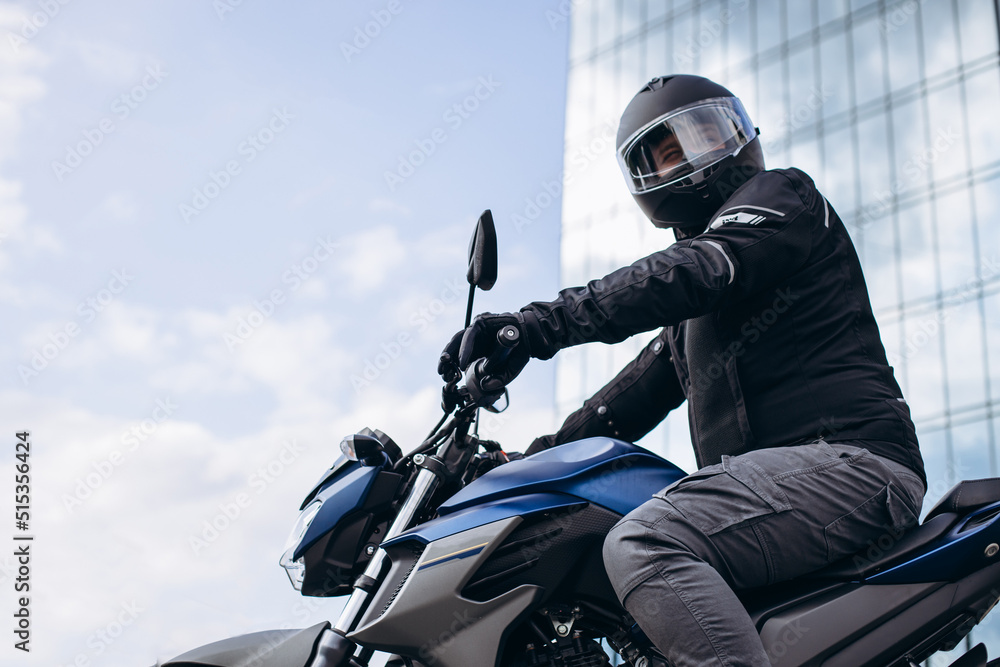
x=963 y=498
x=884 y=553
x=967 y=496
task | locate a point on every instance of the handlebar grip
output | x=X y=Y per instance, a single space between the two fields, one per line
x=508 y=337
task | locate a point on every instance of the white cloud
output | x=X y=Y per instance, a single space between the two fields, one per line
x=370 y=257
x=380 y=205
x=119 y=206
x=307 y=194
x=110 y=63
x=20 y=86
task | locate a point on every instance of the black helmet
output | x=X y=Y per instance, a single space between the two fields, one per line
x=685 y=144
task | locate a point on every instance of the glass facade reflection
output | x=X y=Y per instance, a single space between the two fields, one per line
x=891 y=107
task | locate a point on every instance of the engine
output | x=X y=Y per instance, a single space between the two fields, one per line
x=575 y=651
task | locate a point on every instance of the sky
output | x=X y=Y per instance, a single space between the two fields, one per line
x=232 y=232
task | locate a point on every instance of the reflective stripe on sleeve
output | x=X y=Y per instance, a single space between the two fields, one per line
x=732 y=269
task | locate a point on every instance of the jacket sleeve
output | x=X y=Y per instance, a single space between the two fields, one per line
x=763 y=234
x=629 y=406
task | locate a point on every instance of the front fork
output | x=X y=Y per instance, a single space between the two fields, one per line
x=423 y=487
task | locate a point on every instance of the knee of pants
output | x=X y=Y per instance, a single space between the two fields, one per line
x=623 y=550
x=640 y=545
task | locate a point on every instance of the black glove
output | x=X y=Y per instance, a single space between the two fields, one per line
x=479 y=340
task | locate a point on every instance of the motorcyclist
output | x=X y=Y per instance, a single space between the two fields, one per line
x=805 y=445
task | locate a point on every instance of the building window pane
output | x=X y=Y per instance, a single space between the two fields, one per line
x=800 y=18
x=955 y=241
x=940 y=48
x=961 y=327
x=740 y=49
x=771 y=105
x=992 y=307
x=880 y=269
x=909 y=135
x=830 y=10
x=917 y=243
x=833 y=57
x=656 y=10
x=632 y=17
x=978 y=29
x=840 y=178
x=607 y=22
x=768 y=24
x=945 y=153
x=581 y=35
x=982 y=91
x=868 y=64
x=875 y=178
x=922 y=354
x=904 y=60
x=658 y=61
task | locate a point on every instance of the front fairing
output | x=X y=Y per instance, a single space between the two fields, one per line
x=354 y=507
x=271 y=648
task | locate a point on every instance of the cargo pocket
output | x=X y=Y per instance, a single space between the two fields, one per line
x=878 y=522
x=724 y=495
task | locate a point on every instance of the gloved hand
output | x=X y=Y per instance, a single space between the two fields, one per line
x=491 y=460
x=479 y=340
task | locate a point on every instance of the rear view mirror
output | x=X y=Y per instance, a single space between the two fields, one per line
x=482 y=271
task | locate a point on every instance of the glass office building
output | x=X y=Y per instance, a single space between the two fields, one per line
x=892 y=107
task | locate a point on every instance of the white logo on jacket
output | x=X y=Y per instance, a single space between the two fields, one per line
x=741 y=217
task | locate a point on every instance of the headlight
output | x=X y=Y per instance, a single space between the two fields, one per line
x=296 y=569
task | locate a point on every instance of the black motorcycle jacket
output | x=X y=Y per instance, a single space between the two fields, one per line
x=768 y=333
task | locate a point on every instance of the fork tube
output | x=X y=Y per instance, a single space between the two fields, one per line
x=423 y=487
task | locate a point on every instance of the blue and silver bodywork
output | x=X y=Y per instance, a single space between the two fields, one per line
x=527 y=536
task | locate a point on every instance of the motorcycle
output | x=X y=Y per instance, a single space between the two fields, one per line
x=454 y=556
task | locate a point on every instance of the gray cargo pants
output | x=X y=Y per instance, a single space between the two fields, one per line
x=752 y=520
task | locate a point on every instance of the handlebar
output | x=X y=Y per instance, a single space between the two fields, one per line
x=508 y=338
x=480 y=381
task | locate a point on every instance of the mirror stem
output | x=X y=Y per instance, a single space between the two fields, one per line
x=468 y=309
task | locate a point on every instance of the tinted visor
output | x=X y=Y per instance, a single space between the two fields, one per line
x=684 y=141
